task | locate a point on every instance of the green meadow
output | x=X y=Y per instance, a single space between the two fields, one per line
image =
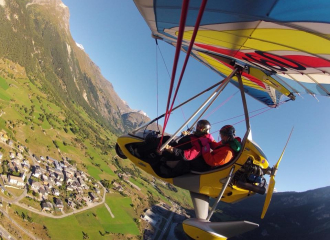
x=92 y=221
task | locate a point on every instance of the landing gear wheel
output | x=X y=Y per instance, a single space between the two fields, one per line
x=119 y=152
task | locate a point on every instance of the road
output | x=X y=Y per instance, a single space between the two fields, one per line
x=106 y=205
x=169 y=220
x=19 y=226
x=65 y=214
x=16 y=202
x=4 y=234
x=133 y=185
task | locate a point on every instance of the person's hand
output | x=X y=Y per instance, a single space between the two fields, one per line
x=185 y=133
x=169 y=148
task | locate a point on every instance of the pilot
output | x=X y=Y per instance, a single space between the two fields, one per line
x=222 y=153
x=190 y=146
x=178 y=156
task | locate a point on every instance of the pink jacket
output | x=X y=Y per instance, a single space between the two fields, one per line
x=199 y=146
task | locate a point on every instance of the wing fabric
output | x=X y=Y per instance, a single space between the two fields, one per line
x=285 y=44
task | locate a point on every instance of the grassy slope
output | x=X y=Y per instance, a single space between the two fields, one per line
x=38 y=136
x=92 y=221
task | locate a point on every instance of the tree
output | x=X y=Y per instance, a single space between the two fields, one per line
x=85 y=235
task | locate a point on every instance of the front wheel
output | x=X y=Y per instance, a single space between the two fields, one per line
x=120 y=152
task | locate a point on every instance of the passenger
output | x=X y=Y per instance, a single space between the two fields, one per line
x=190 y=146
x=225 y=151
x=177 y=156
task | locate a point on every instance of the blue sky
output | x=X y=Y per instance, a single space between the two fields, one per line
x=118 y=40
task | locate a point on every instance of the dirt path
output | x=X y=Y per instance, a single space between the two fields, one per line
x=19 y=226
x=5 y=234
x=106 y=205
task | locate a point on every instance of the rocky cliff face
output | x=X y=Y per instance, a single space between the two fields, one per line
x=36 y=35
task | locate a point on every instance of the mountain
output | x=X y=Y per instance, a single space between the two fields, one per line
x=35 y=35
x=291 y=215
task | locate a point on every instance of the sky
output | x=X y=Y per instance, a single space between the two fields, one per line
x=117 y=39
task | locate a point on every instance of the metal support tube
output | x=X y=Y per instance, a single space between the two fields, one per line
x=190 y=99
x=246 y=112
x=221 y=193
x=216 y=96
x=200 y=108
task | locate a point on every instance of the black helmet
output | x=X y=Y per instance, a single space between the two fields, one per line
x=202 y=127
x=228 y=130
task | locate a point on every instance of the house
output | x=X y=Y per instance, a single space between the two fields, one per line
x=50 y=185
x=69 y=188
x=71 y=204
x=19 y=156
x=59 y=176
x=10 y=143
x=35 y=186
x=25 y=164
x=52 y=175
x=57 y=165
x=37 y=159
x=56 y=192
x=43 y=192
x=69 y=172
x=12 y=167
x=47 y=189
x=44 y=177
x=117 y=187
x=69 y=181
x=3 y=137
x=36 y=172
x=47 y=206
x=82 y=183
x=51 y=180
x=20 y=148
x=58 y=183
x=19 y=181
x=93 y=197
x=12 y=155
x=59 y=203
x=97 y=190
x=80 y=191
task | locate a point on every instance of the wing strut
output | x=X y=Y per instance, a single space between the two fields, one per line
x=214 y=94
x=221 y=193
x=180 y=105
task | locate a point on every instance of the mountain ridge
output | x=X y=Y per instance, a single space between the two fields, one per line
x=52 y=59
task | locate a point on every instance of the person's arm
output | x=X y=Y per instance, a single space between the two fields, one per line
x=221 y=157
x=213 y=144
x=185 y=155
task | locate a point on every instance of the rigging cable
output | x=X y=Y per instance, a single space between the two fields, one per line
x=157 y=80
x=183 y=17
x=217 y=131
x=179 y=42
x=168 y=73
x=221 y=104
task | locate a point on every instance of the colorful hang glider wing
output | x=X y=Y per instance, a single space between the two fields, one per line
x=285 y=44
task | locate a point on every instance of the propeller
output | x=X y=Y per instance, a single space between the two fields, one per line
x=271 y=185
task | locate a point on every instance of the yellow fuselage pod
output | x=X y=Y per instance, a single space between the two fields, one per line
x=209 y=183
x=127 y=139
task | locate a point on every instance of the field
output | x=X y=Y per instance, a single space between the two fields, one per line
x=31 y=119
x=92 y=221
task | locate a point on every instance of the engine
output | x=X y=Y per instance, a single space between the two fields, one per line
x=250 y=177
